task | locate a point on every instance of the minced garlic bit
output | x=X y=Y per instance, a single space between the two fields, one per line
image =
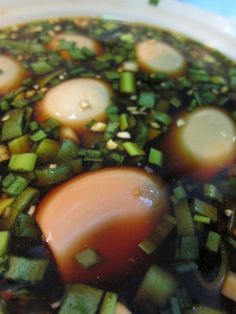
x=124 y=135
x=98 y=127
x=228 y=212
x=130 y=66
x=67 y=133
x=180 y=123
x=84 y=105
x=5 y=118
x=52 y=166
x=7 y=212
x=111 y=145
x=155 y=125
x=32 y=210
x=30 y=93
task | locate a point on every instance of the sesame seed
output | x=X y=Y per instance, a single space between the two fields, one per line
x=124 y=135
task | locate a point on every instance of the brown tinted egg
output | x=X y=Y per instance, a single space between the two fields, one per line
x=201 y=143
x=80 y=42
x=110 y=211
x=158 y=57
x=75 y=103
x=11 y=75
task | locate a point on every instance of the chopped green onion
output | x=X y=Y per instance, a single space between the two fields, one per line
x=198 y=75
x=12 y=127
x=47 y=150
x=186 y=266
x=187 y=248
x=124 y=124
x=133 y=149
x=22 y=202
x=213 y=192
x=201 y=219
x=67 y=152
x=90 y=154
x=180 y=193
x=26 y=227
x=16 y=187
x=213 y=241
x=76 y=166
x=22 y=162
x=162 y=118
x=38 y=136
x=175 y=102
x=109 y=303
x=49 y=176
x=4 y=242
x=157 y=286
x=142 y=134
x=147 y=100
x=81 y=299
x=148 y=246
x=50 y=124
x=205 y=209
x=155 y=157
x=5 y=203
x=41 y=67
x=164 y=228
x=185 y=224
x=112 y=75
x=20 y=145
x=175 y=307
x=153 y=2
x=127 y=83
x=111 y=130
x=88 y=258
x=26 y=269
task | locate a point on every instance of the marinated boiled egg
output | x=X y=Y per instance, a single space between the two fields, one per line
x=158 y=57
x=80 y=42
x=11 y=74
x=202 y=142
x=75 y=103
x=95 y=222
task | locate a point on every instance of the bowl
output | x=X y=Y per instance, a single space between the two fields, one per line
x=210 y=29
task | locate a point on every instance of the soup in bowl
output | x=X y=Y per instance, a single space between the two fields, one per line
x=117 y=160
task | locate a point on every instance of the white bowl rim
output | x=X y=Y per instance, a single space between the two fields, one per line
x=213 y=30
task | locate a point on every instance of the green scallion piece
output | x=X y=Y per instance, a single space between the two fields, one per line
x=127 y=83
x=147 y=100
x=26 y=227
x=175 y=102
x=77 y=166
x=205 y=209
x=22 y=162
x=186 y=266
x=175 y=307
x=153 y=2
x=41 y=67
x=88 y=258
x=180 y=193
x=111 y=130
x=162 y=118
x=81 y=299
x=4 y=242
x=16 y=187
x=133 y=149
x=185 y=224
x=213 y=241
x=12 y=127
x=187 y=248
x=26 y=269
x=157 y=286
x=148 y=246
x=20 y=145
x=124 y=123
x=212 y=192
x=28 y=197
x=201 y=219
x=155 y=157
x=109 y=303
x=50 y=124
x=164 y=228
x=112 y=75
x=47 y=150
x=67 y=152
x=38 y=136
x=49 y=176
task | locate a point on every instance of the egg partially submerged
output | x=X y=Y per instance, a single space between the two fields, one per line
x=105 y=215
